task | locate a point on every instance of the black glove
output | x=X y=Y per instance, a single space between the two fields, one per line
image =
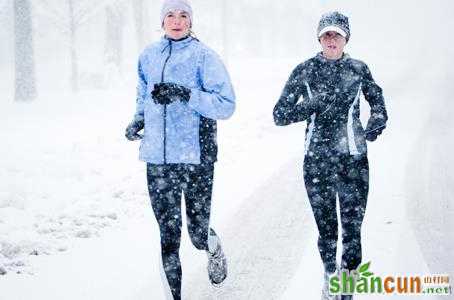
x=132 y=130
x=166 y=93
x=374 y=128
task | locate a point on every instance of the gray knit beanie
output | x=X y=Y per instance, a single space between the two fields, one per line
x=172 y=5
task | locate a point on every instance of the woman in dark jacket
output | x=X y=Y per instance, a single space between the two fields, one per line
x=335 y=160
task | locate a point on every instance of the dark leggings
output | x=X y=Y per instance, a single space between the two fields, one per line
x=165 y=185
x=348 y=177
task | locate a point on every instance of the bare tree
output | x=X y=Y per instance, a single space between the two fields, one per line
x=25 y=85
x=113 y=48
x=138 y=9
x=72 y=38
x=225 y=29
x=78 y=13
x=114 y=35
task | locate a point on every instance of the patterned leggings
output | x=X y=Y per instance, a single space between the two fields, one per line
x=348 y=177
x=165 y=186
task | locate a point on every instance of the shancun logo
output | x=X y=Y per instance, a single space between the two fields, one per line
x=363 y=281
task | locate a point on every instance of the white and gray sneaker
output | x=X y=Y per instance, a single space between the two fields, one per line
x=325 y=291
x=217 y=263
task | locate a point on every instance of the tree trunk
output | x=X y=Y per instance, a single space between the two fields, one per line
x=138 y=8
x=72 y=35
x=113 y=51
x=225 y=30
x=114 y=35
x=25 y=85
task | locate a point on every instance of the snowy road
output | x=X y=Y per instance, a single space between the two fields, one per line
x=73 y=183
x=265 y=222
x=271 y=243
x=281 y=243
x=264 y=240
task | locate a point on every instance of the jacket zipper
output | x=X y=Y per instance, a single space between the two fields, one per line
x=165 y=105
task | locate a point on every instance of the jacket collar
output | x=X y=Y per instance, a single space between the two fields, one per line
x=323 y=59
x=165 y=42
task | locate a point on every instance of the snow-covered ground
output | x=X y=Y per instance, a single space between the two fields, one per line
x=75 y=219
x=73 y=189
x=75 y=214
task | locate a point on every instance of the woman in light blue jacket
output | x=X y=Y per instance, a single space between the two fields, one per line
x=183 y=89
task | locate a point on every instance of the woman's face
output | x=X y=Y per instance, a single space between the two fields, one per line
x=177 y=24
x=333 y=44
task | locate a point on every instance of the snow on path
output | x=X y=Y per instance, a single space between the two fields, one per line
x=263 y=241
x=431 y=208
x=273 y=246
x=122 y=264
x=266 y=226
